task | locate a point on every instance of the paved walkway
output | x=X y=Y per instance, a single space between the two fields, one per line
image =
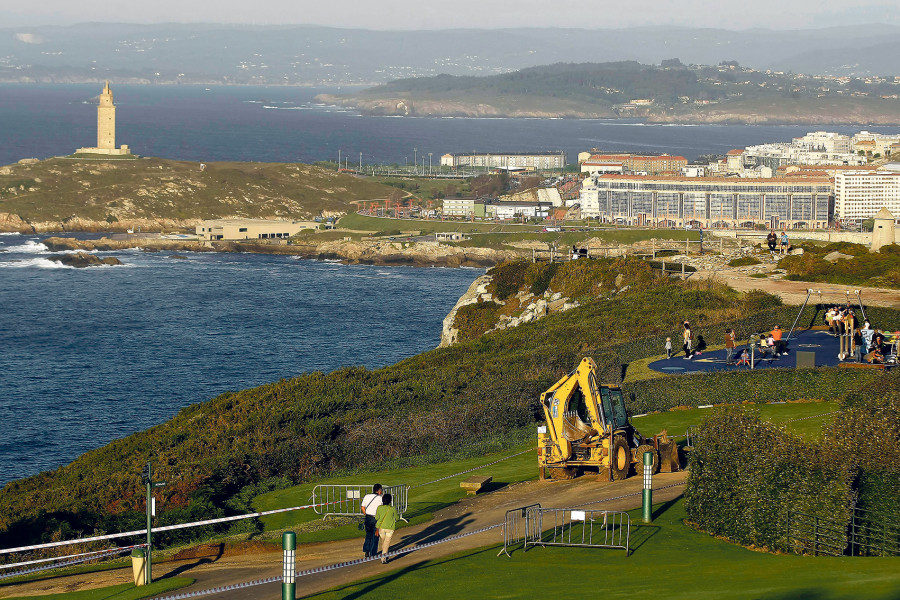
x=467 y=515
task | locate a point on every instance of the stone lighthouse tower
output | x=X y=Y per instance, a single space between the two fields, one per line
x=106 y=128
x=106 y=120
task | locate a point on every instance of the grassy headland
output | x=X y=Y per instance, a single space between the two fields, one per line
x=63 y=194
x=725 y=93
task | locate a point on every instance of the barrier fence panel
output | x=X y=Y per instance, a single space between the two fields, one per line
x=811 y=534
x=581 y=528
x=515 y=526
x=346 y=500
x=872 y=534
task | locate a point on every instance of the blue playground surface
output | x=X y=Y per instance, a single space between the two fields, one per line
x=821 y=342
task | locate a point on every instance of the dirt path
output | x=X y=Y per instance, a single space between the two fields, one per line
x=467 y=515
x=794 y=292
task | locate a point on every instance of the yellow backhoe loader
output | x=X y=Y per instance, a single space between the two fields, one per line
x=588 y=430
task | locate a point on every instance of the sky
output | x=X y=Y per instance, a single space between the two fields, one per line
x=481 y=14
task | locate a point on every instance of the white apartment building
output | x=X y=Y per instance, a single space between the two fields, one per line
x=536 y=161
x=876 y=143
x=825 y=141
x=780 y=154
x=859 y=195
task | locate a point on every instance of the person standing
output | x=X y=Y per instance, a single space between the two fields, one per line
x=784 y=242
x=369 y=506
x=386 y=518
x=701 y=240
x=729 y=346
x=668 y=347
x=688 y=339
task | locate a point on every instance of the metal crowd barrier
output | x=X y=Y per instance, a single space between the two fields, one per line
x=516 y=526
x=346 y=500
x=578 y=528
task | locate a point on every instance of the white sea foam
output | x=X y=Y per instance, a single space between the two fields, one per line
x=29 y=247
x=9 y=233
x=40 y=263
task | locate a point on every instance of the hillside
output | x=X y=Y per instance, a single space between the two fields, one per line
x=671 y=92
x=475 y=396
x=62 y=194
x=208 y=53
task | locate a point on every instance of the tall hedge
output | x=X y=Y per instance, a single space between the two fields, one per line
x=747 y=473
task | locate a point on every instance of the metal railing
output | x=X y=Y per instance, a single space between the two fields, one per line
x=866 y=534
x=871 y=534
x=346 y=500
x=578 y=528
x=516 y=526
x=811 y=534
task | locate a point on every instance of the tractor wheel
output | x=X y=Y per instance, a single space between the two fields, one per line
x=620 y=458
x=639 y=459
x=560 y=473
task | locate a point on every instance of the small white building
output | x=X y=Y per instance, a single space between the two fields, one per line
x=517 y=210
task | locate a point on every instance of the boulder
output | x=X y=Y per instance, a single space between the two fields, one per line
x=836 y=256
x=81 y=260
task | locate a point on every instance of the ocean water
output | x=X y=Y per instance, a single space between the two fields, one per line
x=91 y=355
x=285 y=124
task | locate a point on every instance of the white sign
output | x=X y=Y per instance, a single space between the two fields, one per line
x=577 y=515
x=352 y=494
x=153 y=506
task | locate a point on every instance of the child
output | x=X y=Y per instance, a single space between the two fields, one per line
x=668 y=347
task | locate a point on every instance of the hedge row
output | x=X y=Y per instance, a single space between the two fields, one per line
x=746 y=474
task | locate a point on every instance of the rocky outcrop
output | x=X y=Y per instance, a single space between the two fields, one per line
x=80 y=260
x=477 y=291
x=532 y=308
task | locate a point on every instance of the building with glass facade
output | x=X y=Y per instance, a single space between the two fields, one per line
x=709 y=202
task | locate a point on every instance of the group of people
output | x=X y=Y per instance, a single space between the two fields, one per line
x=688 y=343
x=775 y=241
x=868 y=344
x=380 y=522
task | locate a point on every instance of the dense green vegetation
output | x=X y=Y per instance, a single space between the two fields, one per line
x=466 y=400
x=879 y=269
x=746 y=474
x=601 y=83
x=669 y=560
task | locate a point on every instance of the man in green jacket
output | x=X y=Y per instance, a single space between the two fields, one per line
x=386 y=518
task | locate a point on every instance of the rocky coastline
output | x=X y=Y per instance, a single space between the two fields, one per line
x=369 y=252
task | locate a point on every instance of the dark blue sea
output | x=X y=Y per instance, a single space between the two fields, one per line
x=284 y=124
x=90 y=355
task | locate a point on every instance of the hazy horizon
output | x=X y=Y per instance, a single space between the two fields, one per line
x=464 y=14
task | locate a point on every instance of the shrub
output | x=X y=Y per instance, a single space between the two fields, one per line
x=538 y=277
x=473 y=320
x=508 y=278
x=744 y=261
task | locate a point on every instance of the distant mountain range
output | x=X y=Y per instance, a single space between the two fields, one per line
x=323 y=56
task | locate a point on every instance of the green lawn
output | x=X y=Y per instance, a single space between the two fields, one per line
x=669 y=560
x=497 y=234
x=126 y=591
x=428 y=499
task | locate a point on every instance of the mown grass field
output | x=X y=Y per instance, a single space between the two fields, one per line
x=669 y=560
x=493 y=234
